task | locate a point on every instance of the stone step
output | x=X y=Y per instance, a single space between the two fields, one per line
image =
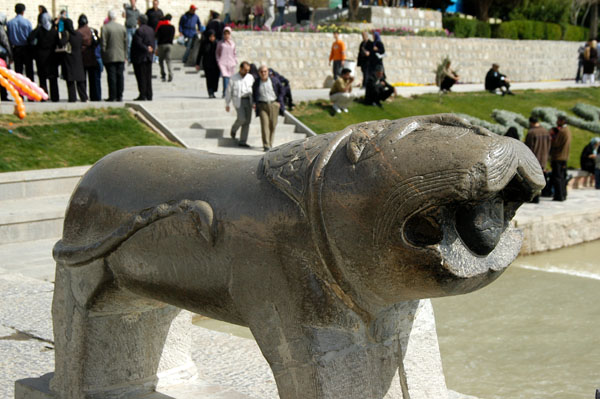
x=222 y=122
x=28 y=219
x=30 y=258
x=39 y=183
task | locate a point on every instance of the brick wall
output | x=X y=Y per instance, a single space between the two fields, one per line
x=303 y=57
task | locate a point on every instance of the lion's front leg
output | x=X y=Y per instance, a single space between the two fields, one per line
x=327 y=362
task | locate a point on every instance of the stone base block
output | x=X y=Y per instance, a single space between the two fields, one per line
x=38 y=388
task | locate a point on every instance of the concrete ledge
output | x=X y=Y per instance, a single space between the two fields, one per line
x=38 y=183
x=155 y=124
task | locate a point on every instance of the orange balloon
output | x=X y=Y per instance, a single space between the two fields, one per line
x=19 y=106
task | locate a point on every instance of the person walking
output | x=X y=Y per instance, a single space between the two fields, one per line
x=267 y=94
x=131 y=16
x=239 y=92
x=364 y=52
x=73 y=70
x=88 y=54
x=337 y=55
x=538 y=140
x=46 y=59
x=226 y=57
x=207 y=56
x=19 y=28
x=113 y=40
x=142 y=51
x=559 y=155
x=189 y=27
x=165 y=32
x=215 y=25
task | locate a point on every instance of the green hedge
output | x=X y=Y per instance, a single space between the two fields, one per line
x=575 y=33
x=523 y=30
x=462 y=27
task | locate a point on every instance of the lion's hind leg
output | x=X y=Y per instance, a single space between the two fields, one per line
x=110 y=343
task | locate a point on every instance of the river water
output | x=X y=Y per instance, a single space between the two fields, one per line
x=533 y=333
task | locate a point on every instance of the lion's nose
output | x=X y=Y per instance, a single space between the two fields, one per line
x=481 y=225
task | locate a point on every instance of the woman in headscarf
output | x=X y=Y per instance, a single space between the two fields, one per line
x=73 y=70
x=208 y=56
x=226 y=57
x=377 y=53
x=88 y=54
x=5 y=51
x=45 y=56
x=41 y=11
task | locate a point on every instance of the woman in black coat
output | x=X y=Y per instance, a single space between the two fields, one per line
x=46 y=59
x=208 y=56
x=73 y=70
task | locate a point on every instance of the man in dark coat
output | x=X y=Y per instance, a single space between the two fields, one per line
x=495 y=80
x=215 y=25
x=378 y=89
x=73 y=70
x=559 y=155
x=142 y=51
x=538 y=141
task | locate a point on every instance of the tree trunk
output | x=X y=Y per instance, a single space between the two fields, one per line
x=594 y=21
x=353 y=9
x=484 y=9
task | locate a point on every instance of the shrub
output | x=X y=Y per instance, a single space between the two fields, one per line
x=575 y=33
x=507 y=30
x=492 y=127
x=549 y=115
x=538 y=30
x=461 y=27
x=587 y=112
x=483 y=29
x=553 y=31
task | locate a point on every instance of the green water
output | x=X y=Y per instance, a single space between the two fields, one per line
x=533 y=333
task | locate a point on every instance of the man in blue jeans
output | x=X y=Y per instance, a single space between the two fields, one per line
x=189 y=27
x=131 y=17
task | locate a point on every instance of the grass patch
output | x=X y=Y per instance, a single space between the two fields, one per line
x=69 y=138
x=317 y=115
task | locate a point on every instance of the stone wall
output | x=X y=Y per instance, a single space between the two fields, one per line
x=303 y=57
x=395 y=17
x=97 y=10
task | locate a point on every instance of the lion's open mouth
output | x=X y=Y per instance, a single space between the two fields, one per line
x=476 y=236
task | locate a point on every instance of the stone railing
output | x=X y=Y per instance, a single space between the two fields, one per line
x=303 y=57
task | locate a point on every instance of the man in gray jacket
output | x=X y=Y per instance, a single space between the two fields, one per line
x=114 y=53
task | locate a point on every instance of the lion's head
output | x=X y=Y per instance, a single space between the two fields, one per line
x=413 y=208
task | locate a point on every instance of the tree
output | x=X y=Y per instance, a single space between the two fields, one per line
x=577 y=7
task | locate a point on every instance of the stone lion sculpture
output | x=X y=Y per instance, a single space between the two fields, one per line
x=323 y=247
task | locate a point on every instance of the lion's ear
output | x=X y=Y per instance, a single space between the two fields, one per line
x=356 y=144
